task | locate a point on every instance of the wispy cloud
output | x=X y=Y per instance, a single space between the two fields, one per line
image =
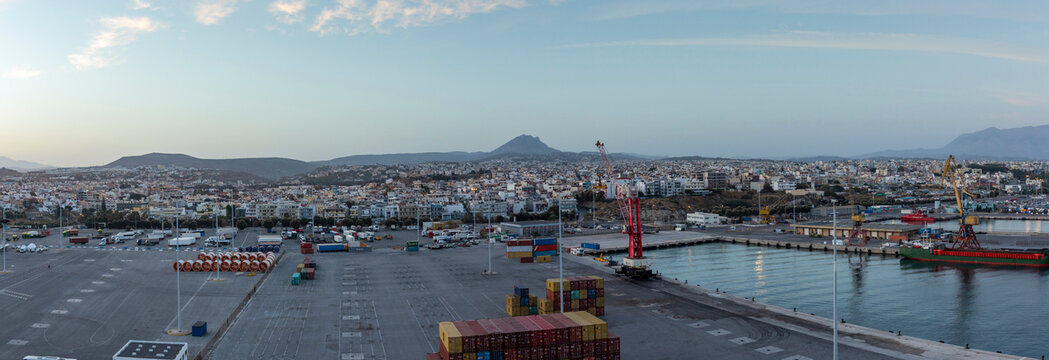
x=116 y=32
x=210 y=12
x=1018 y=10
x=355 y=16
x=140 y=4
x=22 y=73
x=288 y=11
x=857 y=41
x=1019 y=98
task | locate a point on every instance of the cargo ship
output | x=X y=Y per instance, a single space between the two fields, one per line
x=940 y=253
x=917 y=218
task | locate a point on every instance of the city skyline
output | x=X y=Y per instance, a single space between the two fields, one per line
x=315 y=80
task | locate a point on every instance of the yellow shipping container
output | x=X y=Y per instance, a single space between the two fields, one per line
x=600 y=302
x=543 y=259
x=533 y=300
x=518 y=254
x=600 y=326
x=575 y=305
x=450 y=337
x=555 y=284
x=546 y=306
x=600 y=283
x=469 y=356
x=299 y=267
x=587 y=325
x=583 y=294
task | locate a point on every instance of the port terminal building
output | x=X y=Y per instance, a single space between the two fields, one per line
x=844 y=229
x=530 y=228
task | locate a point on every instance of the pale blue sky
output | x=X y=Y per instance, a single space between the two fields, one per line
x=85 y=82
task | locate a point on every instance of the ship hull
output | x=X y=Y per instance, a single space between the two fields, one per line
x=986 y=257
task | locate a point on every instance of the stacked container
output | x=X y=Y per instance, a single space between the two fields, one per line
x=307 y=270
x=306 y=248
x=580 y=293
x=521 y=303
x=577 y=335
x=516 y=249
x=544 y=247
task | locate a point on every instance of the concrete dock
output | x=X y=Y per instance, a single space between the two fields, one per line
x=386 y=305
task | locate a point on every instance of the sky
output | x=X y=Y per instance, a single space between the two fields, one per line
x=86 y=82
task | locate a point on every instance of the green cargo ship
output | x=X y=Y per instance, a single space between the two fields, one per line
x=990 y=257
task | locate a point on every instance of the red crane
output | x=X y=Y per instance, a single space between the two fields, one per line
x=635 y=265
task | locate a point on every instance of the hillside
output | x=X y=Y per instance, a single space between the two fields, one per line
x=270 y=168
x=1023 y=143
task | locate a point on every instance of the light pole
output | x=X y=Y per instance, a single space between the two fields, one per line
x=178 y=330
x=3 y=233
x=560 y=262
x=218 y=272
x=489 y=232
x=834 y=317
x=794 y=203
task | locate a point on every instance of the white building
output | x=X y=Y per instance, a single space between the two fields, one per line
x=701 y=218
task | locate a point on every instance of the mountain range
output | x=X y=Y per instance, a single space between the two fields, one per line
x=524 y=147
x=23 y=166
x=1024 y=143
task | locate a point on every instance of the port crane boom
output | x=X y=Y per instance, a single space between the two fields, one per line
x=635 y=265
x=966 y=237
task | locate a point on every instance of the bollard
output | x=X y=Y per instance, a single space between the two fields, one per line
x=967 y=346
x=842 y=320
x=795 y=309
x=899 y=332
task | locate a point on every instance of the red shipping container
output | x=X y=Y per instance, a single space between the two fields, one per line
x=613 y=344
x=600 y=292
x=549 y=330
x=433 y=356
x=526 y=260
x=600 y=348
x=535 y=333
x=483 y=342
x=600 y=311
x=588 y=348
x=544 y=248
x=519 y=243
x=468 y=337
x=576 y=351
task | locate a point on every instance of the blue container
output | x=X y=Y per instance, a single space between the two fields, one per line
x=591 y=293
x=575 y=294
x=411 y=248
x=200 y=328
x=550 y=241
x=594 y=246
x=524 y=300
x=484 y=355
x=331 y=247
x=545 y=253
x=497 y=355
x=521 y=292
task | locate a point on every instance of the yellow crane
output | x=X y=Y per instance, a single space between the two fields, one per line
x=857 y=218
x=966 y=237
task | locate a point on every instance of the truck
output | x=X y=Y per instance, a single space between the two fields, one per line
x=182 y=241
x=152 y=239
x=270 y=240
x=216 y=241
x=71 y=232
x=78 y=240
x=228 y=232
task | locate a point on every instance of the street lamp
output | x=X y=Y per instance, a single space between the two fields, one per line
x=178 y=330
x=834 y=245
x=560 y=262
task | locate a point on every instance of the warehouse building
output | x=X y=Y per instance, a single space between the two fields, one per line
x=530 y=228
x=874 y=231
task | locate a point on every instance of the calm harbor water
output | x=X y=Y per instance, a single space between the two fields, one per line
x=991 y=226
x=996 y=309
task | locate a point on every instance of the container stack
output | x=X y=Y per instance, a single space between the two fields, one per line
x=580 y=293
x=575 y=335
x=544 y=249
x=306 y=270
x=306 y=248
x=519 y=249
x=411 y=246
x=521 y=303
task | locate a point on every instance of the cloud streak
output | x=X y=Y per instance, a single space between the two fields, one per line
x=288 y=12
x=116 y=32
x=1020 y=98
x=356 y=16
x=210 y=12
x=1027 y=11
x=22 y=73
x=857 y=41
x=140 y=4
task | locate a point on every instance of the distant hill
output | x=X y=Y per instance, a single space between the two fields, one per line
x=265 y=167
x=1023 y=143
x=5 y=172
x=524 y=144
x=521 y=148
x=19 y=165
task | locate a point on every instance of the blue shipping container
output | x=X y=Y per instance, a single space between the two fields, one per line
x=331 y=247
x=594 y=246
x=520 y=291
x=591 y=293
x=575 y=294
x=550 y=241
x=545 y=253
